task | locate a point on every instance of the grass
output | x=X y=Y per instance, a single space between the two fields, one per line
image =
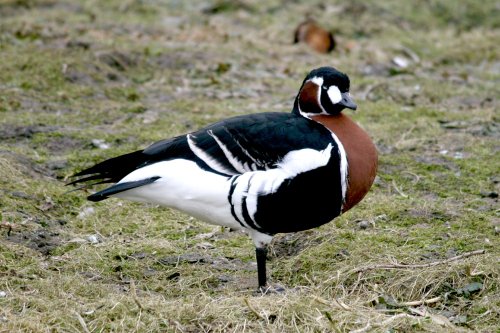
x=129 y=73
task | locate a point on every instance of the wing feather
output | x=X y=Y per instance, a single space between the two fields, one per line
x=229 y=147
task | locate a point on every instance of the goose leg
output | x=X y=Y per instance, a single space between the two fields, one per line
x=261 y=241
x=261 y=254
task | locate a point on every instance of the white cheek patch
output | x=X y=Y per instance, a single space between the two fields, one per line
x=334 y=94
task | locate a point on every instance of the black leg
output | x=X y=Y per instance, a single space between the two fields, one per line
x=261 y=254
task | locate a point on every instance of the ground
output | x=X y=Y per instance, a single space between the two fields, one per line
x=81 y=81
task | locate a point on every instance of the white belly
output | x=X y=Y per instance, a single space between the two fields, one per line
x=186 y=187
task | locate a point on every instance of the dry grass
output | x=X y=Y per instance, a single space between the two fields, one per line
x=129 y=73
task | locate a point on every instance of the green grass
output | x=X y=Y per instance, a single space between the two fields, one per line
x=133 y=72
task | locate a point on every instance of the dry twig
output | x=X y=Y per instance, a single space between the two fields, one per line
x=414 y=266
x=369 y=325
x=9 y=226
x=398 y=190
x=82 y=322
x=437 y=319
x=133 y=291
x=424 y=301
x=339 y=303
x=250 y=306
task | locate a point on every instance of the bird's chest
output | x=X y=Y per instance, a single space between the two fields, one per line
x=362 y=157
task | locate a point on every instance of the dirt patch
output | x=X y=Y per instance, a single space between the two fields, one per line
x=25 y=164
x=474 y=127
x=75 y=76
x=219 y=263
x=118 y=60
x=425 y=214
x=189 y=258
x=62 y=144
x=181 y=59
x=437 y=160
x=42 y=240
x=15 y=132
x=232 y=264
x=289 y=245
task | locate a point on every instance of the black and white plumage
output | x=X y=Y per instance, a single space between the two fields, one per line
x=266 y=173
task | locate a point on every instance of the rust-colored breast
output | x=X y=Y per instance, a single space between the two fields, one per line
x=362 y=157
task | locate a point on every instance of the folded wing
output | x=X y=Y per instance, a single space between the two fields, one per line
x=230 y=147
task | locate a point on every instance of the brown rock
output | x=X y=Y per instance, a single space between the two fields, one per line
x=318 y=38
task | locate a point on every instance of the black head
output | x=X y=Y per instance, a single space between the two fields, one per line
x=325 y=90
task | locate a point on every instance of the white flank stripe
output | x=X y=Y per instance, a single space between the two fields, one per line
x=343 y=166
x=252 y=185
x=211 y=162
x=237 y=165
x=303 y=160
x=237 y=198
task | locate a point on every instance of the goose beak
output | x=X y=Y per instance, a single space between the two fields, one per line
x=347 y=101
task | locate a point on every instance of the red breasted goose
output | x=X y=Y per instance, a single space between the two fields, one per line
x=266 y=173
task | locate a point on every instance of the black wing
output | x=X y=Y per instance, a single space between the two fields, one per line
x=114 y=169
x=229 y=147
x=256 y=142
